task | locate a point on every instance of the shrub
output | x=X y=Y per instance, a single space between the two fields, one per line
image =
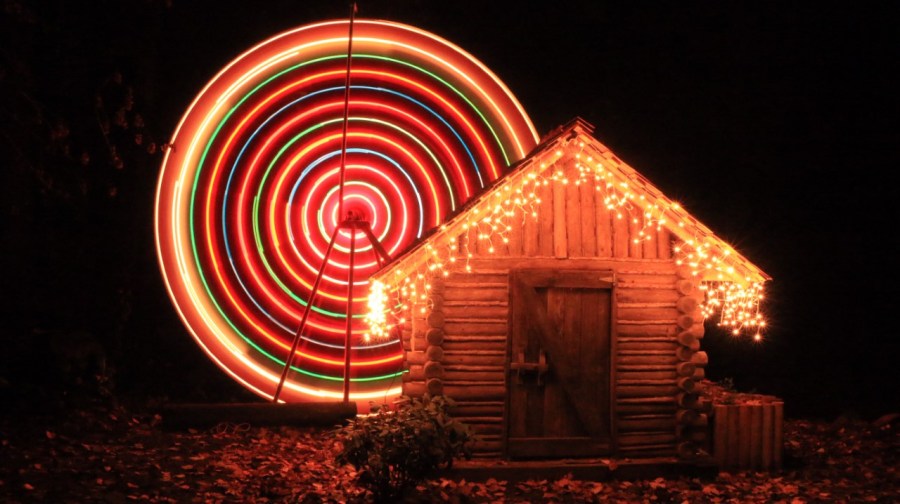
x=400 y=446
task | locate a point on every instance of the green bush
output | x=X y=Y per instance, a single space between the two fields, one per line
x=398 y=447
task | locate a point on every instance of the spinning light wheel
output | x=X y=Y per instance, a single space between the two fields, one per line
x=248 y=197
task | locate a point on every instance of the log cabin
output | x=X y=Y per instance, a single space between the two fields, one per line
x=563 y=308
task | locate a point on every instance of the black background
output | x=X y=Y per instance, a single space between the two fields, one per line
x=773 y=124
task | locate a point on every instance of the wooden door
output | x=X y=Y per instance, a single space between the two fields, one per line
x=558 y=377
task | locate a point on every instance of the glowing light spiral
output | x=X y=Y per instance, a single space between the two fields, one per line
x=248 y=195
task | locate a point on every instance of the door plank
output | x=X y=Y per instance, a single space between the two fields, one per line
x=557 y=418
x=589 y=411
x=517 y=405
x=595 y=352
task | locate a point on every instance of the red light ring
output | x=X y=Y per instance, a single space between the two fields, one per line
x=246 y=199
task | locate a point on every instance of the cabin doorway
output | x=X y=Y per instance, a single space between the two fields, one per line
x=559 y=372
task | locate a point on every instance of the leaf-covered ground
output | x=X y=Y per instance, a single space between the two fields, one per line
x=111 y=455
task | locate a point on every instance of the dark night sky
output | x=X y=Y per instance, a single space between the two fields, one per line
x=774 y=124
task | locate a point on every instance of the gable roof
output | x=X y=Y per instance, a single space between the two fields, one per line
x=712 y=258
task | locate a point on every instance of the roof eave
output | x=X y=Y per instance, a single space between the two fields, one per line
x=578 y=131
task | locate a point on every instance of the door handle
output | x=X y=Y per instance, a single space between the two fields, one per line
x=521 y=367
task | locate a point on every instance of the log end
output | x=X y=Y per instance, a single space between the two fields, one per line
x=435 y=386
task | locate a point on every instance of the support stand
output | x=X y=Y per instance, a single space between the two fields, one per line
x=352 y=224
x=319 y=413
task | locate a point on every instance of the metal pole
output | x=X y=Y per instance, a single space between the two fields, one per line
x=349 y=316
x=346 y=115
x=312 y=298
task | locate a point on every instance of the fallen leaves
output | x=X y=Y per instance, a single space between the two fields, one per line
x=91 y=455
x=94 y=455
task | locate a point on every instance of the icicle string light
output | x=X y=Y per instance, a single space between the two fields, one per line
x=731 y=291
x=737 y=306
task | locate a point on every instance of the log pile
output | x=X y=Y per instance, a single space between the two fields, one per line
x=747 y=430
x=749 y=434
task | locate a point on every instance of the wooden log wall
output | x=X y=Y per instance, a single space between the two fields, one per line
x=459 y=346
x=473 y=352
x=465 y=351
x=646 y=368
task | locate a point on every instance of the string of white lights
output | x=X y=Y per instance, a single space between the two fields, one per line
x=734 y=298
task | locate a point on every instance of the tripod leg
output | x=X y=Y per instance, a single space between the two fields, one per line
x=309 y=304
x=381 y=254
x=349 y=317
